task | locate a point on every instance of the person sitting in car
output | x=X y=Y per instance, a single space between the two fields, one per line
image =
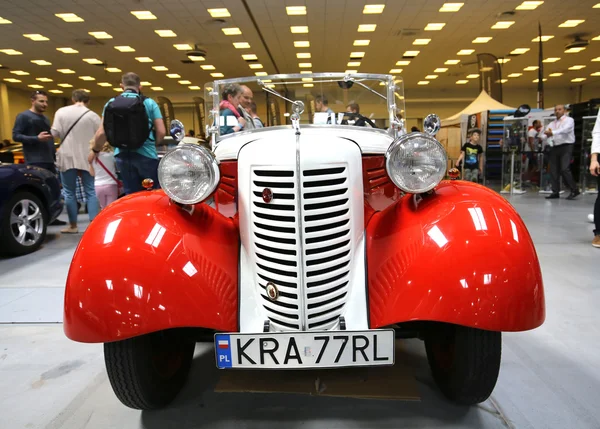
x=230 y=119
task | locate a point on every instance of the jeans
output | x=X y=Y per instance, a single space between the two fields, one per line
x=47 y=165
x=134 y=168
x=597 y=210
x=69 y=182
x=471 y=175
x=560 y=160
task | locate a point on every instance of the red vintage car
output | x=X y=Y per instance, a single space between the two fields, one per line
x=314 y=244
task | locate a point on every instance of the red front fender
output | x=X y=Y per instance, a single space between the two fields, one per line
x=145 y=264
x=462 y=255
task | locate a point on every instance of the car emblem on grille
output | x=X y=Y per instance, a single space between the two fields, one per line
x=267 y=195
x=272 y=291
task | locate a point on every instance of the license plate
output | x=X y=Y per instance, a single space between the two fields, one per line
x=293 y=350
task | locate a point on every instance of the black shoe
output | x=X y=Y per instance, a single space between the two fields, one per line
x=573 y=195
x=57 y=222
x=553 y=196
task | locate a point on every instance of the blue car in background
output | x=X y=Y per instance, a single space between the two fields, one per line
x=30 y=199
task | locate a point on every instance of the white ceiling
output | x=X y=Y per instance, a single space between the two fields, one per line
x=332 y=29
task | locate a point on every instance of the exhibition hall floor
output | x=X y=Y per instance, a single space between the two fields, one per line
x=549 y=377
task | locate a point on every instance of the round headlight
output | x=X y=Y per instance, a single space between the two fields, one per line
x=416 y=162
x=188 y=174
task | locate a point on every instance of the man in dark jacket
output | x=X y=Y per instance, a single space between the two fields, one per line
x=32 y=129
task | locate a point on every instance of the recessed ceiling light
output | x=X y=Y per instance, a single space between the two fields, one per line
x=100 y=34
x=194 y=87
x=472 y=76
x=440 y=70
x=431 y=76
x=435 y=26
x=515 y=75
x=531 y=68
x=299 y=29
x=555 y=74
x=69 y=17
x=519 y=51
x=217 y=75
x=363 y=42
x=544 y=38
x=184 y=82
x=371 y=9
x=421 y=42
x=249 y=57
x=92 y=61
x=65 y=85
x=87 y=78
x=308 y=85
x=462 y=82
x=174 y=76
x=529 y=5
x=595 y=74
x=506 y=80
x=144 y=59
x=43 y=79
x=306 y=71
x=452 y=62
x=305 y=65
x=302 y=44
x=357 y=54
x=597 y=38
x=119 y=89
x=403 y=63
x=502 y=25
x=241 y=45
x=143 y=14
x=578 y=79
x=165 y=33
x=124 y=49
x=395 y=71
x=256 y=66
x=156 y=88
x=350 y=71
x=451 y=7
x=272 y=86
x=56 y=91
x=260 y=73
x=34 y=86
x=113 y=69
x=423 y=82
x=196 y=58
x=596 y=59
x=66 y=71
x=596 y=6
x=296 y=10
x=160 y=68
x=410 y=54
x=183 y=47
x=20 y=72
x=578 y=67
x=303 y=55
x=4 y=21
x=482 y=39
x=537 y=80
x=41 y=62
x=36 y=37
x=207 y=67
x=307 y=79
x=219 y=13
x=12 y=80
x=10 y=52
x=503 y=60
x=570 y=23
x=353 y=64
x=551 y=60
x=366 y=28
x=465 y=52
x=575 y=50
x=105 y=84
x=231 y=31
x=68 y=50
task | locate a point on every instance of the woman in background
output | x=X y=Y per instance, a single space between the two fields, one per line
x=104 y=170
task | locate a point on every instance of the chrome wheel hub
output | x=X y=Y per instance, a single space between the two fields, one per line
x=26 y=222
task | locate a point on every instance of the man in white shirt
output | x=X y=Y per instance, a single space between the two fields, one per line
x=560 y=135
x=595 y=171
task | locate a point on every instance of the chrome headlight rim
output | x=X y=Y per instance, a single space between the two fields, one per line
x=401 y=140
x=213 y=163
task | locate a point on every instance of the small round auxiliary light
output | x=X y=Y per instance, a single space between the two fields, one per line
x=267 y=195
x=454 y=173
x=148 y=184
x=272 y=291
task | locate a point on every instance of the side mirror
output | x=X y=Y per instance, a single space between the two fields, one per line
x=432 y=124
x=177 y=130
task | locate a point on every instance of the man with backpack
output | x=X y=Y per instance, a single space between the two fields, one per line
x=133 y=125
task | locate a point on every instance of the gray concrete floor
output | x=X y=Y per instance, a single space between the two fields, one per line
x=549 y=376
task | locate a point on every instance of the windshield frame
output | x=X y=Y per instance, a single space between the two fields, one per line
x=393 y=89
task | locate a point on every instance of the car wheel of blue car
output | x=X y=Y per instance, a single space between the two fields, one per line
x=147 y=372
x=23 y=224
x=465 y=362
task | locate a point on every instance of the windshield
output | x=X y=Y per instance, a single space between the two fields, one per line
x=325 y=99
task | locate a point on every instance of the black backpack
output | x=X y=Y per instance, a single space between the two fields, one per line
x=126 y=122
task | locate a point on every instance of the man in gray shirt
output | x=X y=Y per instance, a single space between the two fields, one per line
x=32 y=129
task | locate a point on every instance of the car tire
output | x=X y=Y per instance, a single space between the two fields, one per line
x=465 y=362
x=23 y=224
x=147 y=372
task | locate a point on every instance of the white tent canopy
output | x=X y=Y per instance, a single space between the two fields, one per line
x=482 y=103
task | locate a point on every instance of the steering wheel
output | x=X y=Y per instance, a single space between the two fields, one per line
x=360 y=117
